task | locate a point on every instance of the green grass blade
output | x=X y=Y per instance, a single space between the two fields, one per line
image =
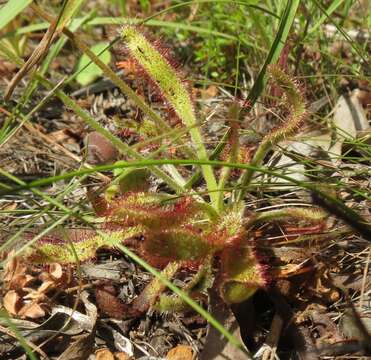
x=192 y=2
x=44 y=210
x=342 y=32
x=286 y=22
x=333 y=6
x=98 y=21
x=71 y=8
x=88 y=73
x=11 y=9
x=346 y=213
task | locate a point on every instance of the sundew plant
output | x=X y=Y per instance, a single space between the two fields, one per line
x=189 y=184
x=180 y=228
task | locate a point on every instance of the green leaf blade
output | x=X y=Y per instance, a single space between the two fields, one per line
x=90 y=72
x=11 y=9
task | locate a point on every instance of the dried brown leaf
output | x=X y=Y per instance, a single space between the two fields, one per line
x=40 y=293
x=56 y=271
x=15 y=273
x=20 y=281
x=12 y=302
x=122 y=356
x=32 y=310
x=216 y=346
x=104 y=354
x=108 y=302
x=180 y=352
